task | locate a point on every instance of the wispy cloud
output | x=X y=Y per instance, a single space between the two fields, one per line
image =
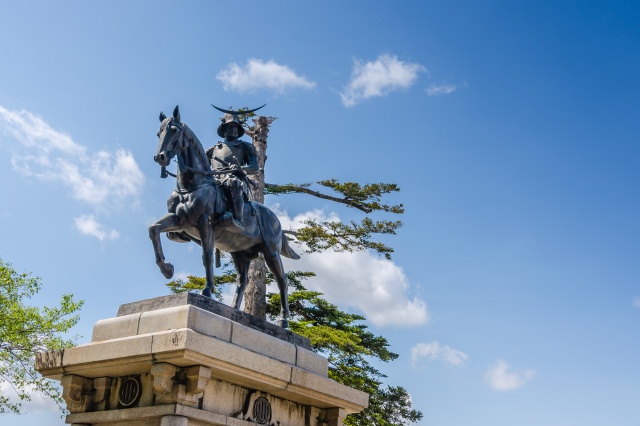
x=33 y=132
x=103 y=180
x=435 y=351
x=636 y=302
x=442 y=89
x=88 y=225
x=501 y=376
x=379 y=78
x=257 y=74
x=375 y=286
x=38 y=403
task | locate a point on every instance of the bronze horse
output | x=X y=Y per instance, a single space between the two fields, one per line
x=195 y=208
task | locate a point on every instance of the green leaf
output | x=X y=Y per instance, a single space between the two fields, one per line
x=26 y=330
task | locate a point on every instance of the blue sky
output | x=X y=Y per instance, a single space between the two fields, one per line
x=511 y=127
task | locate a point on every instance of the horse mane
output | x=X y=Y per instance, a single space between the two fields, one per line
x=197 y=145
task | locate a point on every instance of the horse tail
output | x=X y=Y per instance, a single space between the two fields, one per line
x=286 y=249
x=271 y=231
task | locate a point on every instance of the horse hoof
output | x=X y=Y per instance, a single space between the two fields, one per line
x=206 y=292
x=167 y=270
x=284 y=323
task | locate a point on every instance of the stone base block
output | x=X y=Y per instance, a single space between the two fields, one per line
x=187 y=360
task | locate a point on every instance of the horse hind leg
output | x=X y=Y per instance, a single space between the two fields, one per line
x=206 y=240
x=241 y=261
x=275 y=266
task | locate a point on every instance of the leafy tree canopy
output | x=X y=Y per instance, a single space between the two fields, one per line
x=26 y=330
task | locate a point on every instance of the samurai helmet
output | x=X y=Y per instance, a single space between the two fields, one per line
x=231 y=118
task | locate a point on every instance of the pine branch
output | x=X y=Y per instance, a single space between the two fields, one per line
x=365 y=198
x=320 y=236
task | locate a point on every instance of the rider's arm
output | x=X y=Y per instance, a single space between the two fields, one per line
x=251 y=166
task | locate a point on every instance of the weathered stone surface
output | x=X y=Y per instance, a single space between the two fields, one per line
x=76 y=392
x=108 y=350
x=174 y=421
x=114 y=328
x=165 y=319
x=197 y=378
x=312 y=362
x=264 y=344
x=51 y=362
x=334 y=416
x=234 y=363
x=209 y=324
x=215 y=307
x=155 y=415
x=325 y=392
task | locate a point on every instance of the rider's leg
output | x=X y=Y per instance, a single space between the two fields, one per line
x=233 y=219
x=238 y=201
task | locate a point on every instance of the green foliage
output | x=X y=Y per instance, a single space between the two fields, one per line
x=366 y=198
x=26 y=330
x=387 y=407
x=322 y=235
x=198 y=283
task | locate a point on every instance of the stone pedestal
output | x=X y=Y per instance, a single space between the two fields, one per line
x=186 y=360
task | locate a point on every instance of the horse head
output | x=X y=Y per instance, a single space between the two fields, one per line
x=170 y=138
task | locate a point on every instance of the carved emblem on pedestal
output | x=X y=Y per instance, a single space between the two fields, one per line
x=130 y=391
x=262 y=410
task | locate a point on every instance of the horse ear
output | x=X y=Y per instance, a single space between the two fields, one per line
x=176 y=114
x=162 y=116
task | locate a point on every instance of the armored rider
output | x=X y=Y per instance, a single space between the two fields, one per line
x=239 y=159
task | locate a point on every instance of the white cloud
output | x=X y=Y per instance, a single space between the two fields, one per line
x=32 y=131
x=38 y=402
x=379 y=78
x=501 y=376
x=441 y=89
x=104 y=180
x=88 y=225
x=436 y=351
x=636 y=302
x=257 y=74
x=375 y=286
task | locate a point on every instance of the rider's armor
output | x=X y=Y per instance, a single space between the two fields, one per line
x=243 y=155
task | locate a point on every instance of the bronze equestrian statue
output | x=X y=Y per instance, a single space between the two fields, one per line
x=205 y=207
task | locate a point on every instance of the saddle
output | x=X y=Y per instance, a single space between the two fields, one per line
x=249 y=222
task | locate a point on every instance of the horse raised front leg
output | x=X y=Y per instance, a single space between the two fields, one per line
x=241 y=261
x=275 y=265
x=167 y=223
x=206 y=240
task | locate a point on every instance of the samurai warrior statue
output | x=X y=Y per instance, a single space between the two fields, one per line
x=239 y=159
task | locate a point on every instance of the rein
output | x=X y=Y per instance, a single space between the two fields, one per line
x=183 y=168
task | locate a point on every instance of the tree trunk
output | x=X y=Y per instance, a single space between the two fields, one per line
x=256 y=291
